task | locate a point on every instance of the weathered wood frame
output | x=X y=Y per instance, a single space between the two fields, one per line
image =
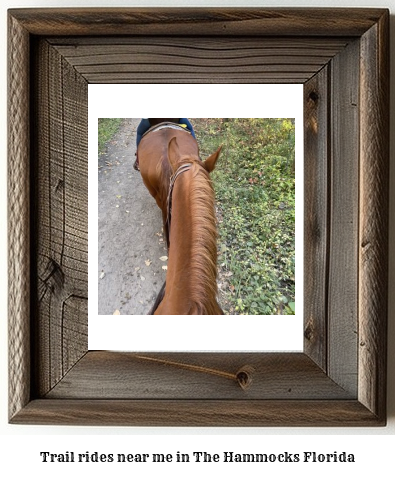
x=342 y=57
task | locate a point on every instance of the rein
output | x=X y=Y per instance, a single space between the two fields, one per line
x=173 y=178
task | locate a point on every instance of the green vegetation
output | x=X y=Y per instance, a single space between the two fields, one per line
x=107 y=128
x=255 y=195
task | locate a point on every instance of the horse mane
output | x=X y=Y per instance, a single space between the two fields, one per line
x=203 y=265
x=164 y=171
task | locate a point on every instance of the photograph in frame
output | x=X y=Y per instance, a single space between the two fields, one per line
x=127 y=278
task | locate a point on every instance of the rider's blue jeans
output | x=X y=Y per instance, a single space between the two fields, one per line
x=145 y=126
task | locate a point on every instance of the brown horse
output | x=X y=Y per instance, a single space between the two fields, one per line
x=179 y=181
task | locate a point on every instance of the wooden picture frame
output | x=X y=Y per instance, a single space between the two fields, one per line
x=342 y=58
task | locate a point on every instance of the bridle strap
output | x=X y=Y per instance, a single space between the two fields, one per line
x=173 y=178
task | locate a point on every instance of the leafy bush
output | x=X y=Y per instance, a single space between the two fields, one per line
x=255 y=195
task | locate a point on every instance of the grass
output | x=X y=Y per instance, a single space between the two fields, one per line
x=107 y=127
x=255 y=194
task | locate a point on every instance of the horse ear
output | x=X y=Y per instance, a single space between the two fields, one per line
x=209 y=164
x=173 y=152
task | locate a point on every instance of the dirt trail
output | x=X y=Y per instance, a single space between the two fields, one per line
x=131 y=243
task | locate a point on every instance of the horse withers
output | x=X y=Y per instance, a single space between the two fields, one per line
x=179 y=181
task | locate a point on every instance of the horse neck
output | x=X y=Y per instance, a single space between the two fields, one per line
x=192 y=266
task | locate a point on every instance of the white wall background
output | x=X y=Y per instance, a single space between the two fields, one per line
x=373 y=448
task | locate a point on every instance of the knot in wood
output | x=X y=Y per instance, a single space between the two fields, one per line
x=244 y=376
x=313 y=96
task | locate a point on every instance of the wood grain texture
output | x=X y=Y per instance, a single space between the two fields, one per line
x=348 y=226
x=18 y=218
x=199 y=21
x=344 y=210
x=316 y=214
x=61 y=226
x=209 y=59
x=284 y=376
x=373 y=233
x=202 y=413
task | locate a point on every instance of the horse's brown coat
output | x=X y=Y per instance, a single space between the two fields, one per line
x=191 y=286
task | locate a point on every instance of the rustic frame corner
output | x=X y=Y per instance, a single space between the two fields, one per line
x=342 y=58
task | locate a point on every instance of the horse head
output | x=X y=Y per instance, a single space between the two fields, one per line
x=175 y=158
